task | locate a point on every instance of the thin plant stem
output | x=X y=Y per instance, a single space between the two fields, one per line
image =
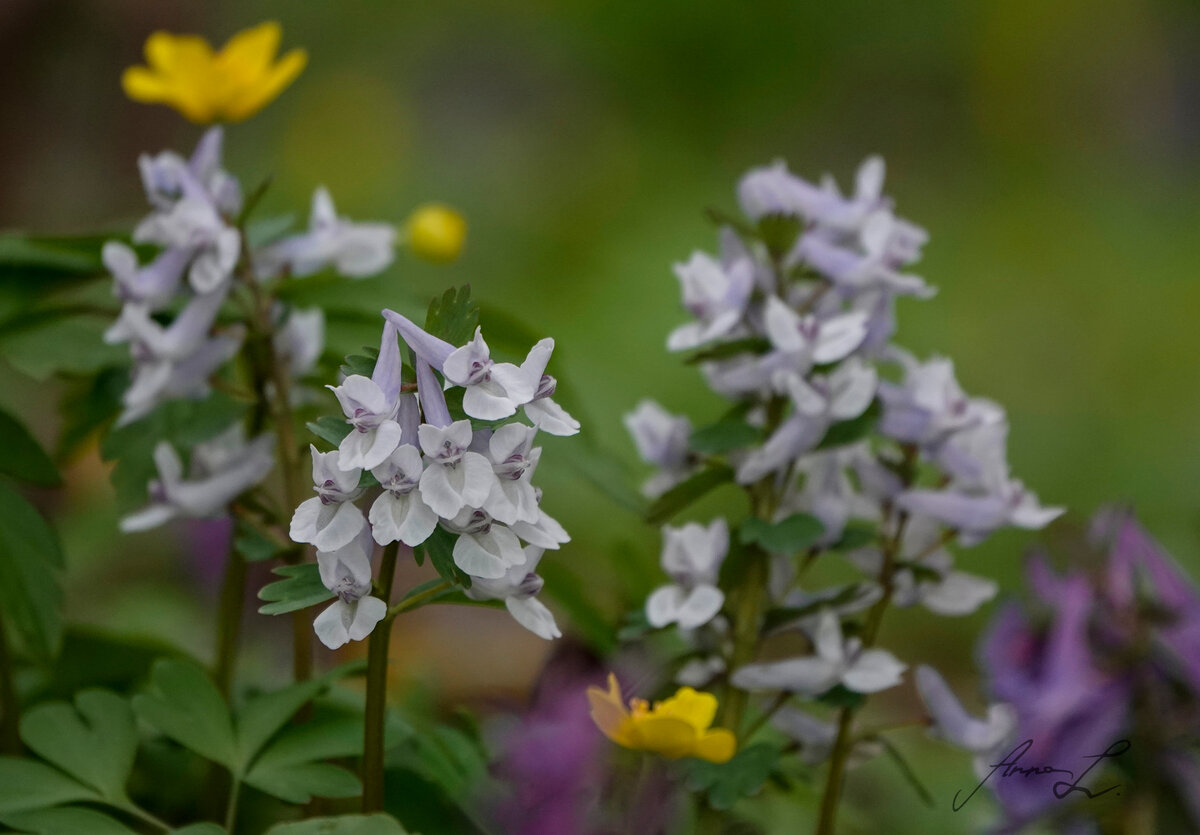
x=417 y=600
x=376 y=706
x=142 y=815
x=231 y=809
x=10 y=705
x=779 y=701
x=833 y=781
x=229 y=620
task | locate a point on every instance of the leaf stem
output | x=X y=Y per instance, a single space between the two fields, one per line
x=10 y=705
x=229 y=620
x=417 y=600
x=142 y=815
x=376 y=706
x=231 y=808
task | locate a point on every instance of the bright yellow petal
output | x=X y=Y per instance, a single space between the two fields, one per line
x=608 y=711
x=266 y=88
x=250 y=52
x=664 y=735
x=173 y=54
x=697 y=709
x=716 y=746
x=142 y=84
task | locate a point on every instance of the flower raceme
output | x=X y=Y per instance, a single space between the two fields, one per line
x=680 y=726
x=206 y=86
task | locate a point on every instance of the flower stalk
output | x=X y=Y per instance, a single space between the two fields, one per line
x=376 y=706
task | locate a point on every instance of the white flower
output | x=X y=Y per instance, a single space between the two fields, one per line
x=329 y=520
x=494 y=390
x=158 y=380
x=807 y=339
x=221 y=470
x=485 y=548
x=953 y=724
x=715 y=294
x=543 y=412
x=348 y=566
x=352 y=617
x=301 y=339
x=544 y=531
x=154 y=285
x=375 y=433
x=816 y=738
x=976 y=515
x=836 y=662
x=662 y=440
x=512 y=497
x=518 y=588
x=692 y=557
x=356 y=250
x=454 y=478
x=152 y=341
x=193 y=223
x=400 y=514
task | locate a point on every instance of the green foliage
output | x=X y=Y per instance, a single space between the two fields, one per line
x=253 y=545
x=23 y=457
x=787 y=536
x=287 y=769
x=840 y=696
x=783 y=615
x=454 y=316
x=300 y=588
x=30 y=562
x=47 y=344
x=856 y=535
x=604 y=471
x=452 y=759
x=440 y=550
x=27 y=785
x=723 y=436
x=743 y=776
x=378 y=824
x=66 y=820
x=725 y=350
x=778 y=232
x=686 y=492
x=851 y=431
x=87 y=404
x=50 y=258
x=330 y=429
x=184 y=704
x=362 y=364
x=906 y=771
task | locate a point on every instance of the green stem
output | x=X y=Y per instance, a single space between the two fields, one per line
x=229 y=620
x=377 y=664
x=833 y=780
x=231 y=808
x=746 y=620
x=773 y=708
x=10 y=705
x=417 y=600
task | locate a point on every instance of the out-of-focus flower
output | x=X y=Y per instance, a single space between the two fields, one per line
x=716 y=296
x=680 y=726
x=356 y=250
x=436 y=232
x=662 y=440
x=206 y=86
x=691 y=557
x=952 y=722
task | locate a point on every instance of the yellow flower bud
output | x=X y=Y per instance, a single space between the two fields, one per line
x=229 y=86
x=436 y=232
x=676 y=727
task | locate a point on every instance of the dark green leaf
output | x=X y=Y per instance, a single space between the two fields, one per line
x=784 y=615
x=253 y=545
x=921 y=572
x=362 y=364
x=733 y=348
x=28 y=784
x=779 y=233
x=440 y=548
x=330 y=429
x=184 y=704
x=378 y=824
x=202 y=828
x=686 y=492
x=906 y=771
x=723 y=436
x=856 y=535
x=743 y=776
x=454 y=316
x=300 y=588
x=722 y=218
x=23 y=457
x=300 y=782
x=850 y=431
x=840 y=696
x=30 y=562
x=88 y=404
x=95 y=741
x=68 y=344
x=44 y=257
x=66 y=820
x=788 y=536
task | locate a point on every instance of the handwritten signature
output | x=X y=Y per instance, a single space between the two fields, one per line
x=1062 y=789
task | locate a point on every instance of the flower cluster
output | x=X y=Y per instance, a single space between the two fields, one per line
x=842 y=440
x=419 y=471
x=173 y=306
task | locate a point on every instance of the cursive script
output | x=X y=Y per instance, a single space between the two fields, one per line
x=1062 y=789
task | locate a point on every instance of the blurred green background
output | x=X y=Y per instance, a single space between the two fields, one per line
x=1049 y=148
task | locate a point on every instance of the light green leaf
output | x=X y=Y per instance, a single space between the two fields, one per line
x=454 y=316
x=728 y=782
x=683 y=494
x=69 y=344
x=66 y=820
x=329 y=429
x=95 y=741
x=23 y=457
x=28 y=784
x=723 y=436
x=300 y=588
x=787 y=536
x=185 y=705
x=850 y=431
x=440 y=549
x=301 y=782
x=30 y=561
x=379 y=824
x=204 y=828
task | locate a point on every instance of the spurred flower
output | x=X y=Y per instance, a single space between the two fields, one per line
x=680 y=726
x=206 y=86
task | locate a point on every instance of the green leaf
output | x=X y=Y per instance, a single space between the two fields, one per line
x=95 y=741
x=87 y=404
x=203 y=828
x=906 y=771
x=184 y=704
x=856 y=535
x=263 y=716
x=733 y=348
x=51 y=257
x=300 y=588
x=268 y=229
x=850 y=431
x=743 y=776
x=841 y=696
x=454 y=316
x=65 y=344
x=604 y=471
x=446 y=756
x=686 y=492
x=66 y=820
x=28 y=784
x=361 y=364
x=330 y=429
x=723 y=436
x=720 y=217
x=30 y=562
x=23 y=457
x=779 y=232
x=440 y=548
x=301 y=782
x=788 y=536
x=784 y=615
x=378 y=824
x=253 y=545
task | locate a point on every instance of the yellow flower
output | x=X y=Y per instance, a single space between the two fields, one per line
x=204 y=86
x=676 y=727
x=436 y=232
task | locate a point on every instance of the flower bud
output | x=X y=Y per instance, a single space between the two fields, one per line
x=436 y=233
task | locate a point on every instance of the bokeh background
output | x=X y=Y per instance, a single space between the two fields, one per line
x=1049 y=147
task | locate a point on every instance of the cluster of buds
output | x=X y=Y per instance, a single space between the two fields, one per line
x=835 y=430
x=204 y=259
x=418 y=470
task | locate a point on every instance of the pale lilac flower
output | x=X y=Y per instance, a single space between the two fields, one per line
x=816 y=737
x=356 y=250
x=400 y=513
x=352 y=617
x=543 y=412
x=152 y=342
x=425 y=345
x=836 y=662
x=348 y=565
x=301 y=339
x=494 y=390
x=828 y=493
x=951 y=721
x=802 y=340
x=156 y=381
x=715 y=294
x=976 y=516
x=485 y=547
x=662 y=440
x=513 y=458
x=544 y=531
x=163 y=176
x=329 y=520
x=221 y=470
x=154 y=285
x=518 y=588
x=371 y=406
x=691 y=557
x=454 y=478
